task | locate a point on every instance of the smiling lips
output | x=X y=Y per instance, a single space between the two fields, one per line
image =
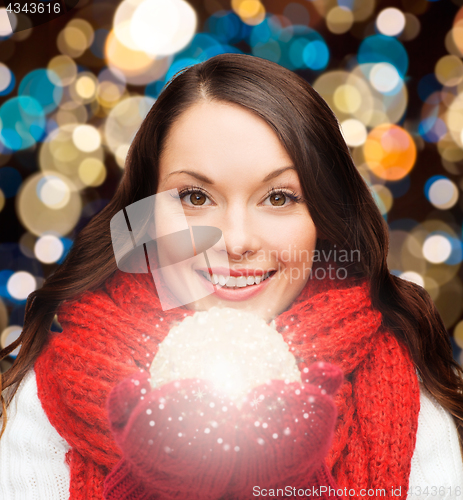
x=235 y=278
x=237 y=285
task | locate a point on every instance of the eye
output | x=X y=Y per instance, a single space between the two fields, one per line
x=277 y=199
x=194 y=197
x=280 y=198
x=198 y=198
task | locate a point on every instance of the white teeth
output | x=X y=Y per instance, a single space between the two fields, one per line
x=231 y=281
x=241 y=281
x=235 y=282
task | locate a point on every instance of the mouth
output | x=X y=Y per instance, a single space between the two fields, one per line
x=234 y=282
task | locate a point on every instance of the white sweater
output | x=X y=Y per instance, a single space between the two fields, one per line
x=32 y=454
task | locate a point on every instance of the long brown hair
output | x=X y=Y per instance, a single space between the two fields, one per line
x=338 y=199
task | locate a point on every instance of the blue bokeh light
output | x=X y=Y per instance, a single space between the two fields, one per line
x=23 y=122
x=42 y=85
x=381 y=48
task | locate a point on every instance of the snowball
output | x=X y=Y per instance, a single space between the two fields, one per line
x=235 y=350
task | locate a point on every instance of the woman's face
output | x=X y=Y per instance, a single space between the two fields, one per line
x=232 y=173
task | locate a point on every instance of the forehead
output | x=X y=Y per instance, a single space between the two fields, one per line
x=215 y=137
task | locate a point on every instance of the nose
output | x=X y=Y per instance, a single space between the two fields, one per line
x=240 y=232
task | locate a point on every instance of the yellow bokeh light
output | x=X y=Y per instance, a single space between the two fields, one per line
x=71 y=42
x=449 y=70
x=2 y=200
x=121 y=154
x=449 y=150
x=449 y=302
x=65 y=68
x=26 y=244
x=125 y=59
x=251 y=12
x=347 y=98
x=385 y=107
x=457 y=31
x=84 y=27
x=384 y=195
x=48 y=202
x=454 y=41
x=412 y=27
x=92 y=172
x=84 y=88
x=458 y=334
x=122 y=123
x=347 y=94
x=454 y=119
x=67 y=147
x=362 y=9
x=71 y=112
x=339 y=20
x=457 y=36
x=109 y=93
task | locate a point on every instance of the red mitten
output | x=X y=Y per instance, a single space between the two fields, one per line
x=285 y=431
x=177 y=442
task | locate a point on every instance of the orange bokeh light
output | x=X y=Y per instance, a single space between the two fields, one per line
x=390 y=152
x=125 y=59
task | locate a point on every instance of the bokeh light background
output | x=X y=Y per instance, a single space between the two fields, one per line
x=73 y=93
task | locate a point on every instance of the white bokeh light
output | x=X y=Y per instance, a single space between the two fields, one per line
x=384 y=77
x=354 y=132
x=443 y=194
x=5 y=77
x=48 y=248
x=7 y=28
x=20 y=285
x=86 y=138
x=157 y=27
x=9 y=335
x=161 y=27
x=390 y=21
x=437 y=249
x=413 y=277
x=54 y=192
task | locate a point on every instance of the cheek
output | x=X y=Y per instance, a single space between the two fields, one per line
x=294 y=241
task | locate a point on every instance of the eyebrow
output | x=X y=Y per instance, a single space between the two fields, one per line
x=203 y=178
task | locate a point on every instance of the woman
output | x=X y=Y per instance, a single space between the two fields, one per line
x=261 y=153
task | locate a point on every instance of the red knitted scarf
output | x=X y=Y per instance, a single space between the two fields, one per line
x=110 y=332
